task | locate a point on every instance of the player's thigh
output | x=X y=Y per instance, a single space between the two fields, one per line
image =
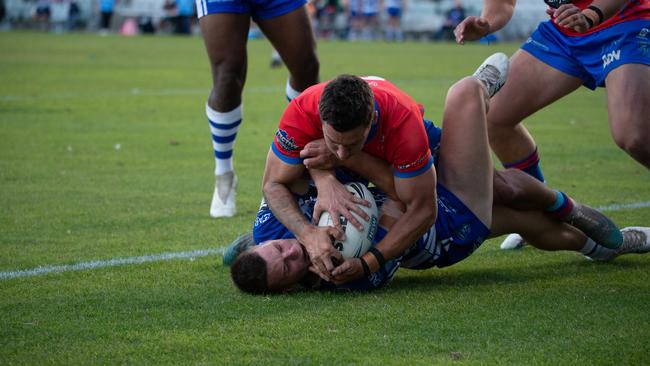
x=531 y=85
x=291 y=35
x=225 y=36
x=628 y=101
x=465 y=166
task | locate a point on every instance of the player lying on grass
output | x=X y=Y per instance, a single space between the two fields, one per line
x=464 y=194
x=371 y=115
x=283 y=264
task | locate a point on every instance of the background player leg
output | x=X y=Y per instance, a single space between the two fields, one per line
x=531 y=85
x=292 y=36
x=628 y=103
x=225 y=37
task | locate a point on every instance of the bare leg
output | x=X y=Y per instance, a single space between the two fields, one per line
x=531 y=86
x=516 y=189
x=628 y=102
x=292 y=36
x=465 y=161
x=225 y=37
x=537 y=229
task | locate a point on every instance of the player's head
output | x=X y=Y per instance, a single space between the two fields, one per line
x=273 y=266
x=346 y=109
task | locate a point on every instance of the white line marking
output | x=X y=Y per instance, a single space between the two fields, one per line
x=110 y=263
x=626 y=206
x=43 y=270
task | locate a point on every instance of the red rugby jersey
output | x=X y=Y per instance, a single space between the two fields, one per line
x=397 y=135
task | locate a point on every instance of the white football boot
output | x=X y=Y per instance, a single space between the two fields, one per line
x=513 y=241
x=493 y=72
x=223 y=199
x=636 y=239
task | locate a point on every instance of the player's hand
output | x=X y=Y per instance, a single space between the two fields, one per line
x=349 y=270
x=318 y=243
x=338 y=201
x=471 y=29
x=316 y=155
x=569 y=16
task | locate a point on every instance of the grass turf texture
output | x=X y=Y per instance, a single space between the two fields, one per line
x=106 y=153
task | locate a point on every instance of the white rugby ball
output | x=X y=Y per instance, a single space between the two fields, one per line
x=356 y=242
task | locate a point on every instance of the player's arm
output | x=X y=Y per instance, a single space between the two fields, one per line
x=317 y=156
x=570 y=16
x=418 y=194
x=278 y=176
x=494 y=16
x=373 y=169
x=335 y=198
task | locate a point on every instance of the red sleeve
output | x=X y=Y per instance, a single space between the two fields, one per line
x=294 y=132
x=409 y=146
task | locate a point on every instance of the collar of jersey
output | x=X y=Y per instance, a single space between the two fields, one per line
x=375 y=125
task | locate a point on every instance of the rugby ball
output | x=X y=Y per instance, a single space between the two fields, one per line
x=356 y=242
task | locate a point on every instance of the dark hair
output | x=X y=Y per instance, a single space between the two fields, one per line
x=248 y=272
x=347 y=102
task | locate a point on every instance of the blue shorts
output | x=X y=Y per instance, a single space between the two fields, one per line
x=258 y=9
x=456 y=234
x=394 y=12
x=593 y=56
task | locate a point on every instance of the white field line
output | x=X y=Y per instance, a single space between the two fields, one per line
x=42 y=270
x=110 y=263
x=626 y=206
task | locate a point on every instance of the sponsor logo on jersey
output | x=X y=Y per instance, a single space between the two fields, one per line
x=260 y=220
x=537 y=44
x=286 y=142
x=415 y=163
x=611 y=57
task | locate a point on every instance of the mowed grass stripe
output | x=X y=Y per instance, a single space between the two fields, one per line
x=80 y=266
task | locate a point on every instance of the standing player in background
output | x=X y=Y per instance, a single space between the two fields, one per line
x=585 y=43
x=370 y=9
x=394 y=9
x=604 y=42
x=106 y=12
x=225 y=30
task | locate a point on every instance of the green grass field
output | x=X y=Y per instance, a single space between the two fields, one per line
x=105 y=153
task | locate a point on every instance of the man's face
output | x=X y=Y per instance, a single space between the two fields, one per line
x=286 y=262
x=345 y=144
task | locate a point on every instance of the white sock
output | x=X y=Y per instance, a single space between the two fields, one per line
x=596 y=251
x=223 y=127
x=291 y=92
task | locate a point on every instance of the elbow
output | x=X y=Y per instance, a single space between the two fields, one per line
x=431 y=215
x=426 y=216
x=267 y=188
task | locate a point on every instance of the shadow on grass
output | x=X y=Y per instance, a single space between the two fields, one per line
x=488 y=277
